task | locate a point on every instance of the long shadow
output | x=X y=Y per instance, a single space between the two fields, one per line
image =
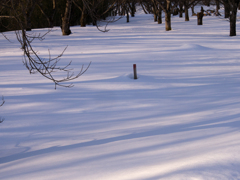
x=203 y=168
x=154 y=132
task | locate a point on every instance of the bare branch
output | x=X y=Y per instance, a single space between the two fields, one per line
x=31 y=59
x=7 y=17
x=6 y=37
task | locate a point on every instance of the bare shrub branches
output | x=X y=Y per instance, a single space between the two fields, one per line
x=46 y=67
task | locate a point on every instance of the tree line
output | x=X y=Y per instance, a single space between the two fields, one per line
x=29 y=14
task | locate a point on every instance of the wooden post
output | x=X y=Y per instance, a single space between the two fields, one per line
x=135 y=71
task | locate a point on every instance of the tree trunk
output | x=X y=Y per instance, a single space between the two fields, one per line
x=186 y=11
x=28 y=14
x=168 y=16
x=49 y=17
x=155 y=14
x=83 y=17
x=208 y=3
x=123 y=10
x=133 y=9
x=28 y=23
x=127 y=15
x=168 y=21
x=53 y=14
x=180 y=10
x=226 y=10
x=66 y=19
x=160 y=16
x=217 y=7
x=233 y=18
x=94 y=19
x=145 y=11
x=193 y=13
x=94 y=22
x=200 y=16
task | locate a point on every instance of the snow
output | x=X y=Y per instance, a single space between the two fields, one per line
x=178 y=121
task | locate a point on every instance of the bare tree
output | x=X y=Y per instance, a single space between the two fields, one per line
x=24 y=10
x=49 y=16
x=27 y=10
x=132 y=6
x=231 y=7
x=66 y=18
x=48 y=68
x=157 y=12
x=180 y=4
x=146 y=6
x=84 y=13
x=200 y=16
x=166 y=6
x=187 y=4
x=217 y=8
x=233 y=16
x=97 y=10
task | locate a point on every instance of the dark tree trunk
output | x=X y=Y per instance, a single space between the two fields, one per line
x=207 y=2
x=133 y=9
x=145 y=11
x=28 y=15
x=155 y=14
x=53 y=14
x=117 y=9
x=160 y=16
x=94 y=18
x=149 y=8
x=200 y=16
x=217 y=7
x=28 y=23
x=123 y=10
x=66 y=19
x=226 y=10
x=155 y=17
x=175 y=11
x=168 y=21
x=186 y=11
x=168 y=16
x=94 y=22
x=127 y=16
x=180 y=10
x=233 y=17
x=193 y=13
x=50 y=18
x=83 y=17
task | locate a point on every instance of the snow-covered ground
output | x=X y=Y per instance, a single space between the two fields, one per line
x=179 y=120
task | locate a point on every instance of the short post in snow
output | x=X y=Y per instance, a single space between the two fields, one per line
x=135 y=71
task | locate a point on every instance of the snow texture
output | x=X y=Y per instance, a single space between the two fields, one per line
x=178 y=121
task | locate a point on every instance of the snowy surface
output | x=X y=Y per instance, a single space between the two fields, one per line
x=179 y=121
